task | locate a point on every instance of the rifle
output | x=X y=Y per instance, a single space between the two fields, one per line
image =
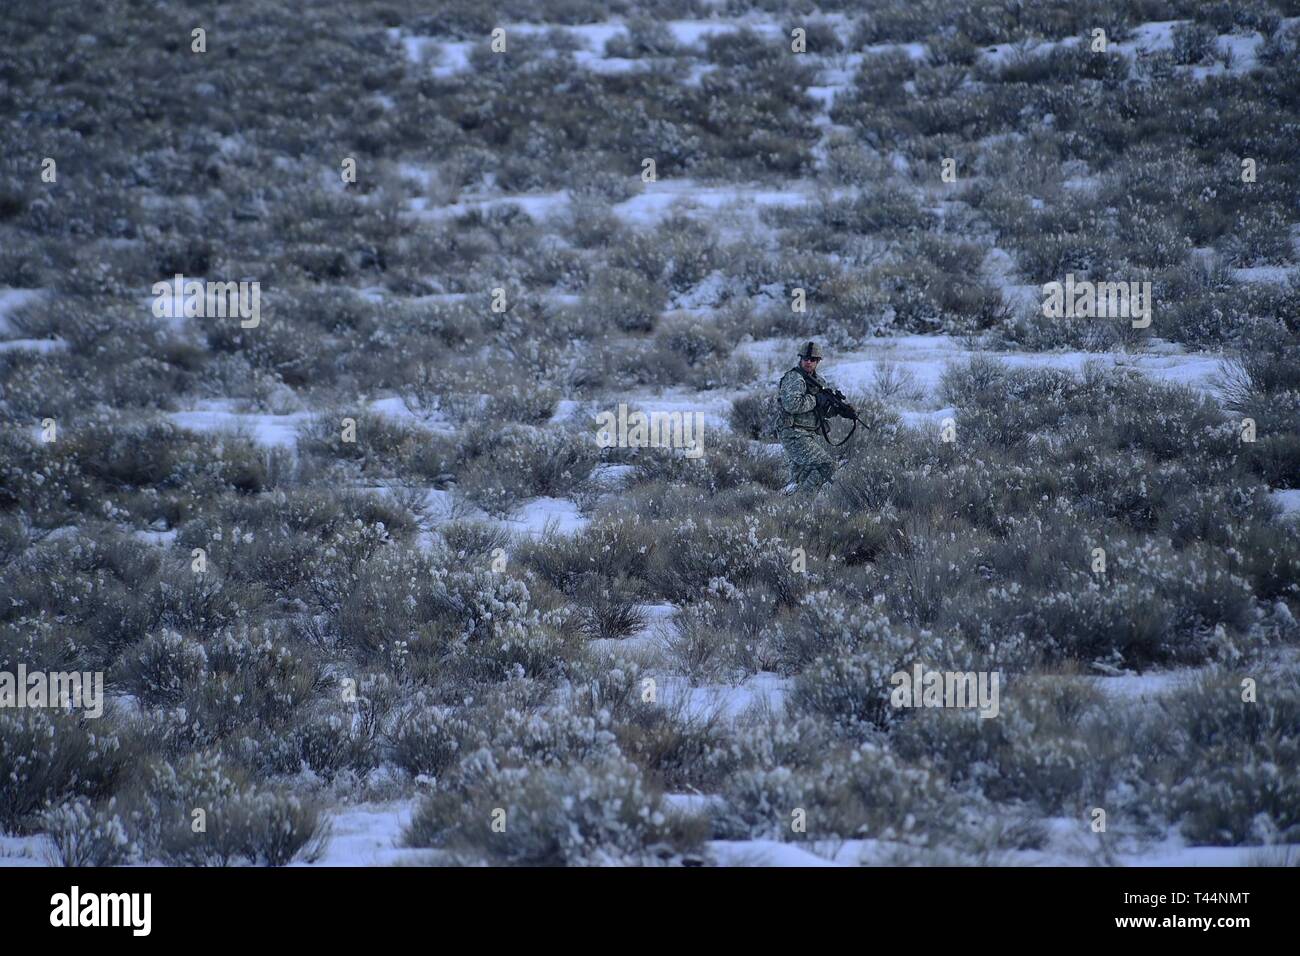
x=837 y=404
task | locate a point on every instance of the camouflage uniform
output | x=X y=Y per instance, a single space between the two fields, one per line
x=811 y=465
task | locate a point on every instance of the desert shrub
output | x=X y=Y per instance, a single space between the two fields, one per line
x=675 y=748
x=81 y=835
x=1152 y=605
x=332 y=740
x=432 y=740
x=517 y=463
x=1055 y=741
x=473 y=540
x=832 y=625
x=1222 y=760
x=1268 y=555
x=692 y=354
x=581 y=815
x=700 y=650
x=160 y=799
x=612 y=548
x=1263 y=383
x=609 y=610
x=1193 y=42
x=863 y=792
x=256 y=681
x=696 y=559
x=257 y=827
x=163 y=668
x=622 y=299
x=47 y=757
x=515 y=402
x=726 y=461
x=383 y=446
x=748 y=416
x=849 y=683
x=645 y=37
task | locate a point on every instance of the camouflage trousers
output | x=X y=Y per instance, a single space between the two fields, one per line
x=811 y=464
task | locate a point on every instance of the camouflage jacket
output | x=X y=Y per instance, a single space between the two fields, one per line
x=798 y=404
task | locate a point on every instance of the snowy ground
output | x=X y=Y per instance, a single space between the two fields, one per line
x=369 y=833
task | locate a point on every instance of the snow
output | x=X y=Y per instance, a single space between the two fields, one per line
x=161 y=538
x=542 y=515
x=1277 y=274
x=1288 y=499
x=370 y=834
x=927 y=357
x=916 y=51
x=395 y=408
x=714 y=405
x=661 y=198
x=13 y=299
x=764 y=853
x=1149 y=37
x=270 y=431
x=33 y=345
x=1137 y=687
x=611 y=476
x=763 y=690
x=538 y=206
x=23 y=850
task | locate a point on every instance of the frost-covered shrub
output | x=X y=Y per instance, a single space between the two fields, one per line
x=748 y=416
x=645 y=37
x=677 y=749
x=1225 y=763
x=849 y=682
x=47 y=757
x=473 y=540
x=1054 y=741
x=727 y=461
x=718 y=557
x=685 y=353
x=832 y=624
x=614 y=548
x=524 y=403
x=580 y=815
x=201 y=810
x=863 y=792
x=622 y=299
x=163 y=668
x=255 y=681
x=1152 y=605
x=159 y=801
x=550 y=735
x=332 y=740
x=383 y=446
x=82 y=835
x=609 y=611
x=517 y=462
x=432 y=740
x=487 y=627
x=256 y=827
x=1193 y=42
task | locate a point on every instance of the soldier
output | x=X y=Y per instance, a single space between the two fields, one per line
x=804 y=406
